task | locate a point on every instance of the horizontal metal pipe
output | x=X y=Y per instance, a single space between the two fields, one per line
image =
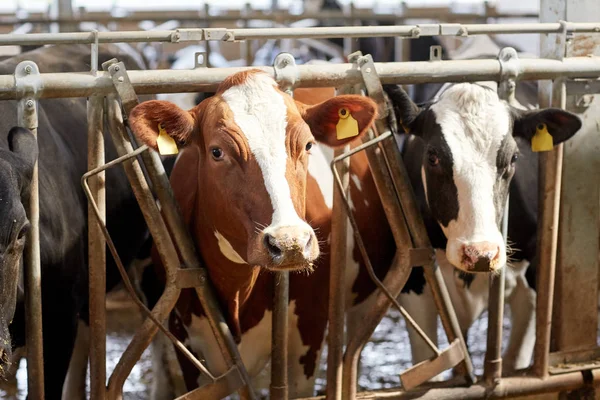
x=324 y=15
x=70 y=84
x=195 y=34
x=506 y=388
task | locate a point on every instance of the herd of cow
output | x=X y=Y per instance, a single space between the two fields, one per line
x=253 y=183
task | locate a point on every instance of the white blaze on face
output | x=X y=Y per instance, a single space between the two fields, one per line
x=227 y=249
x=261 y=114
x=474 y=122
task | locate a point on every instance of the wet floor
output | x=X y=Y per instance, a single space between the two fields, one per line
x=383 y=358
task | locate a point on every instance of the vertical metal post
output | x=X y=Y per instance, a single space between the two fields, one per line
x=207 y=42
x=575 y=316
x=279 y=375
x=97 y=251
x=65 y=11
x=247 y=44
x=550 y=170
x=28 y=118
x=550 y=173
x=350 y=43
x=337 y=283
x=493 y=355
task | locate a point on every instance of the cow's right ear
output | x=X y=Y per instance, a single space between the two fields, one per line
x=146 y=117
x=408 y=114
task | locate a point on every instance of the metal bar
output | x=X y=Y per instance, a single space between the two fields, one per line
x=163 y=242
x=493 y=355
x=195 y=34
x=57 y=85
x=182 y=239
x=28 y=118
x=279 y=352
x=33 y=291
x=337 y=283
x=550 y=170
x=512 y=387
x=97 y=251
x=433 y=275
x=280 y=15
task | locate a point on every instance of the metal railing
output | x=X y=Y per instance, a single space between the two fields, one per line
x=98 y=84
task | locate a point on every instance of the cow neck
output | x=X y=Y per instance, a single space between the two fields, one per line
x=234 y=283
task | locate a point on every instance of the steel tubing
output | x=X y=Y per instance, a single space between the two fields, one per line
x=337 y=283
x=193 y=15
x=182 y=240
x=57 y=85
x=28 y=118
x=279 y=339
x=195 y=34
x=97 y=251
x=396 y=276
x=420 y=238
x=550 y=170
x=163 y=242
x=512 y=387
x=492 y=371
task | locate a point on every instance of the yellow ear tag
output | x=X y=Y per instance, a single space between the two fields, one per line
x=166 y=144
x=347 y=126
x=542 y=140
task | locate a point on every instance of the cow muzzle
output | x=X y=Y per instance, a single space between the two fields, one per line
x=291 y=247
x=481 y=257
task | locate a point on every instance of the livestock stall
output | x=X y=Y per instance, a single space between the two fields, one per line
x=569 y=60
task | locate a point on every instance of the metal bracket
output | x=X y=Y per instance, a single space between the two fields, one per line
x=286 y=72
x=187 y=35
x=200 y=55
x=429 y=29
x=191 y=277
x=453 y=29
x=29 y=86
x=435 y=53
x=373 y=84
x=221 y=34
x=509 y=72
x=122 y=84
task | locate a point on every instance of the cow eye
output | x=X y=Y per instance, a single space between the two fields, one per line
x=433 y=159
x=309 y=146
x=217 y=153
x=23 y=231
x=514 y=158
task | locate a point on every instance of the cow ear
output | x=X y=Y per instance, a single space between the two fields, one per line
x=562 y=125
x=146 y=117
x=408 y=115
x=22 y=142
x=331 y=122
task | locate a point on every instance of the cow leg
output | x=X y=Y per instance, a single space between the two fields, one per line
x=521 y=300
x=59 y=315
x=74 y=387
x=168 y=381
x=421 y=308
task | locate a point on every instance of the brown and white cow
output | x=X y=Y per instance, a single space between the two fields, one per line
x=242 y=182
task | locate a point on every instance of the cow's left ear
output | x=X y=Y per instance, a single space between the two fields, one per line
x=332 y=121
x=562 y=125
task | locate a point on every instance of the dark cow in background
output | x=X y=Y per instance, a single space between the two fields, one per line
x=62 y=149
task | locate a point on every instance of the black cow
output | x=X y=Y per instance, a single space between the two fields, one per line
x=62 y=148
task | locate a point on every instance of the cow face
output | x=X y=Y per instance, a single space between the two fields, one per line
x=469 y=161
x=16 y=167
x=254 y=142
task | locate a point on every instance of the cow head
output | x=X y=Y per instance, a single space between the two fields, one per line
x=16 y=168
x=254 y=141
x=469 y=161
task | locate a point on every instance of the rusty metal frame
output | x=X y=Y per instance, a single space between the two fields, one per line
x=27 y=83
x=393 y=187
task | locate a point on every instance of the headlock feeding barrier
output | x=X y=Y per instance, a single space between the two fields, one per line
x=113 y=90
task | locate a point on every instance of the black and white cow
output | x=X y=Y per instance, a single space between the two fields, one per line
x=62 y=148
x=461 y=156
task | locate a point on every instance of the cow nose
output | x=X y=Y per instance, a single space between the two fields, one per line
x=480 y=257
x=289 y=244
